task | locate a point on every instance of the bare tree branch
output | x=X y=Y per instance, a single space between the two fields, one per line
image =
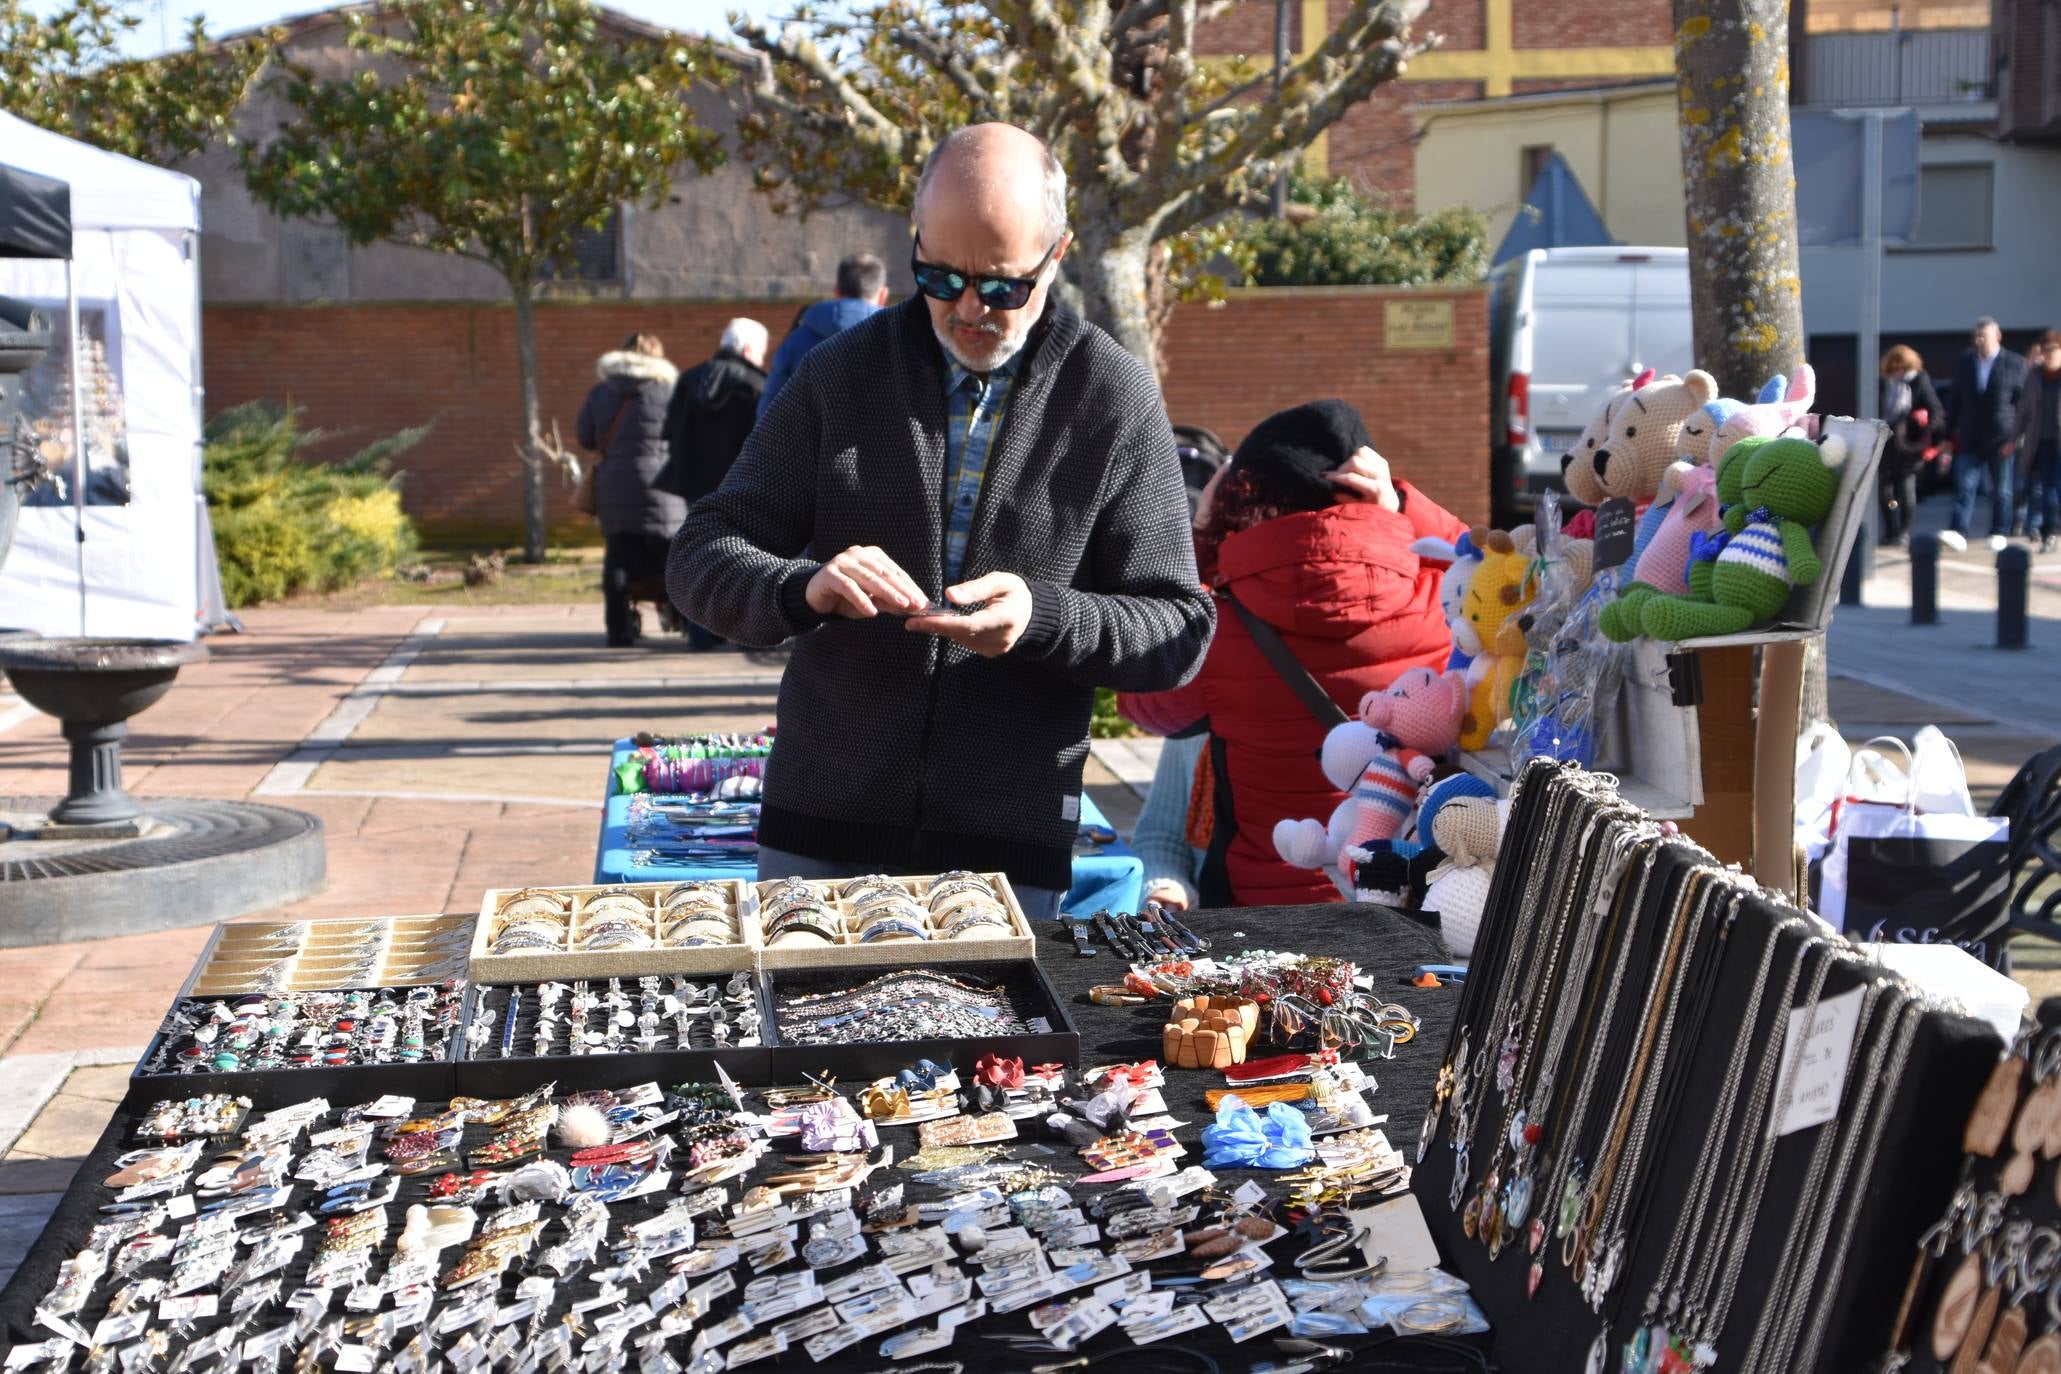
x=796 y=47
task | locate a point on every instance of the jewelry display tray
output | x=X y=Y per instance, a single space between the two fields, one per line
x=267 y=1088
x=565 y=965
x=1020 y=943
x=329 y=954
x=511 y=1077
x=1032 y=992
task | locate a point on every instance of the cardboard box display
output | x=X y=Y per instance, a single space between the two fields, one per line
x=311 y=956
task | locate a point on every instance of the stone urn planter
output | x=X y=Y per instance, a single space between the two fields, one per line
x=93 y=686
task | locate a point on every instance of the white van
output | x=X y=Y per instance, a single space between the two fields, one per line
x=1566 y=326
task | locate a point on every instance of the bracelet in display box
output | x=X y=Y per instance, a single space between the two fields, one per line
x=623 y=930
x=882 y=926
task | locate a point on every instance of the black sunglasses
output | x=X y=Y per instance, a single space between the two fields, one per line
x=948 y=284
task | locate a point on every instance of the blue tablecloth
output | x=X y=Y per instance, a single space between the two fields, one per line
x=1113 y=878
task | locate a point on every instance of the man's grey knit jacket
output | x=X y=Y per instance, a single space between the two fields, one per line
x=905 y=752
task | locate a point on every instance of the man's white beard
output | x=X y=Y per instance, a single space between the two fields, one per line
x=1007 y=346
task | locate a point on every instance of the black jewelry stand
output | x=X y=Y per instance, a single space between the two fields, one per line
x=1906 y=1188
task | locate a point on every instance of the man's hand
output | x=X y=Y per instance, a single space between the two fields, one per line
x=862 y=582
x=990 y=631
x=1365 y=477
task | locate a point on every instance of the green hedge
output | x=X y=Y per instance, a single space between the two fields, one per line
x=1353 y=240
x=287 y=523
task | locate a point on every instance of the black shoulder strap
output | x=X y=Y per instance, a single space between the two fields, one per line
x=1307 y=689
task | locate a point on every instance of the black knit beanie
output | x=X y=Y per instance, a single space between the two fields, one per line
x=1288 y=453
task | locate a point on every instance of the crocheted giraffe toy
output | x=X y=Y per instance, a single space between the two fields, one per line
x=1379 y=761
x=1788 y=485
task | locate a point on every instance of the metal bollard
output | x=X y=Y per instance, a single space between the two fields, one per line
x=1850 y=580
x=2014 y=579
x=1924 y=579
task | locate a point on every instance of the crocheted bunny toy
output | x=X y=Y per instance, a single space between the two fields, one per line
x=1378 y=761
x=1781 y=404
x=1788 y=485
x=1693 y=444
x=1461 y=558
x=1469 y=831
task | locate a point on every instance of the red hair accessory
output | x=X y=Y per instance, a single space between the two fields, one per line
x=998 y=1072
x=1275 y=1067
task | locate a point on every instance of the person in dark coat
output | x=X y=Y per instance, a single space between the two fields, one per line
x=861 y=290
x=1911 y=409
x=623 y=421
x=713 y=409
x=1983 y=417
x=2039 y=440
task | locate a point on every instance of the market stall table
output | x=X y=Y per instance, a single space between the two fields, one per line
x=1112 y=877
x=1386 y=944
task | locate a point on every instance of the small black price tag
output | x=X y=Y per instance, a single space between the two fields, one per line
x=1616 y=526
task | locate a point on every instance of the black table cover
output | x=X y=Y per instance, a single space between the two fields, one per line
x=1386 y=944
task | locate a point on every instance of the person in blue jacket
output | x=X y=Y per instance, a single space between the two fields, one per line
x=861 y=290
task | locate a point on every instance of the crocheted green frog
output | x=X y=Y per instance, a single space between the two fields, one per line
x=1624 y=619
x=1787 y=484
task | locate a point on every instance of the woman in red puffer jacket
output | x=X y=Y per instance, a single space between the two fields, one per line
x=1307 y=531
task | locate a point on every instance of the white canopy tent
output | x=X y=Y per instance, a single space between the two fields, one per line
x=121 y=548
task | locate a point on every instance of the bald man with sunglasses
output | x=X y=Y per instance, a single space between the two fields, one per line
x=967 y=513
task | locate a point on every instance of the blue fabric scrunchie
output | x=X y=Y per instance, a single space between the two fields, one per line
x=1243 y=1139
x=1705 y=548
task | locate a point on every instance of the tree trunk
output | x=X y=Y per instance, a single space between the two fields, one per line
x=1739 y=180
x=1109 y=266
x=532 y=424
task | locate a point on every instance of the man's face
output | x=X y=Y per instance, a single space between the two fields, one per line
x=998 y=234
x=1988 y=339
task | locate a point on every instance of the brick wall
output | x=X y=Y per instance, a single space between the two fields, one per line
x=1590 y=23
x=1270 y=348
x=362 y=372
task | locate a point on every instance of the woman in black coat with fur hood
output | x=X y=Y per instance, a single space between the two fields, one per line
x=624 y=420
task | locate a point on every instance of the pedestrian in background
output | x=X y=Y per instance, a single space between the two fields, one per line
x=1911 y=409
x=1983 y=416
x=861 y=290
x=713 y=409
x=623 y=422
x=2039 y=440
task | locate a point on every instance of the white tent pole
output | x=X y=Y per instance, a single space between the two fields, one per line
x=80 y=467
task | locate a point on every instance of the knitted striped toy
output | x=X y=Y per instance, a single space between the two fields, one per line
x=1379 y=761
x=1788 y=485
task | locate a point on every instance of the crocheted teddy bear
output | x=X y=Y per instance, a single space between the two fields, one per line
x=1639 y=447
x=1378 y=761
x=1787 y=485
x=1497 y=591
x=1468 y=831
x=1583 y=525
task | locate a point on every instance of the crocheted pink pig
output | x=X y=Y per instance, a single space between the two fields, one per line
x=1379 y=760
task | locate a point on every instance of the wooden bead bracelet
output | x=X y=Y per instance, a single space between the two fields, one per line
x=1210 y=1032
